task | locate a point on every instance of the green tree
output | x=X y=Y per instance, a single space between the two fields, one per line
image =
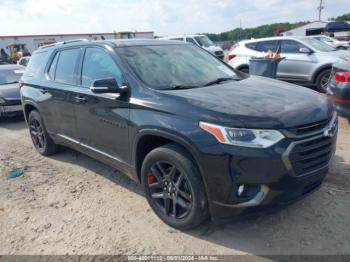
x=263 y=30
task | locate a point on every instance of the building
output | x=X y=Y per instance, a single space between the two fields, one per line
x=321 y=27
x=15 y=43
x=317 y=27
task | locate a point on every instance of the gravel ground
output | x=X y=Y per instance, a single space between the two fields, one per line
x=72 y=204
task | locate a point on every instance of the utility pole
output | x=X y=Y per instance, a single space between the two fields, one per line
x=240 y=29
x=320 y=8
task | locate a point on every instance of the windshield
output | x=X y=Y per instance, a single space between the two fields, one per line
x=8 y=76
x=204 y=41
x=318 y=45
x=167 y=66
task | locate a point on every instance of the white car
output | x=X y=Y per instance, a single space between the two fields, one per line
x=332 y=41
x=200 y=40
x=307 y=60
x=23 y=61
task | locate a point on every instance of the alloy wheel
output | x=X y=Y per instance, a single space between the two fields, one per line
x=37 y=133
x=325 y=81
x=170 y=190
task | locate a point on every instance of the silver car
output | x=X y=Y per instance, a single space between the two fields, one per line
x=200 y=40
x=307 y=60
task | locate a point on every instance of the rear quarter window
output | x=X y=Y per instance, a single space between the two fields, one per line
x=36 y=64
x=251 y=46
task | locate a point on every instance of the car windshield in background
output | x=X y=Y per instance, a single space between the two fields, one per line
x=9 y=76
x=318 y=45
x=204 y=41
x=172 y=66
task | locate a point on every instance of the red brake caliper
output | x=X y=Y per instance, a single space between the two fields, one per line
x=151 y=178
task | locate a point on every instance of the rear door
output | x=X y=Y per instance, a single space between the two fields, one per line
x=63 y=79
x=296 y=65
x=102 y=119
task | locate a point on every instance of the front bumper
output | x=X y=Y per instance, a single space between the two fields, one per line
x=274 y=176
x=343 y=109
x=6 y=110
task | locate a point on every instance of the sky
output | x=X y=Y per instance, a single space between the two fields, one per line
x=164 y=17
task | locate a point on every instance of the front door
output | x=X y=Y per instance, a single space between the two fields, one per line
x=296 y=65
x=102 y=119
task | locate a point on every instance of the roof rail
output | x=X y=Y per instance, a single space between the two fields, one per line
x=64 y=42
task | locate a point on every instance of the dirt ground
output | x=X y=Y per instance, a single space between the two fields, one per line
x=72 y=204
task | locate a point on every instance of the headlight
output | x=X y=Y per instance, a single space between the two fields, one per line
x=260 y=138
x=2 y=101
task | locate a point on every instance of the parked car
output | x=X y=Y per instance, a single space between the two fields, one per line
x=23 y=61
x=339 y=89
x=343 y=45
x=201 y=138
x=307 y=60
x=10 y=100
x=200 y=40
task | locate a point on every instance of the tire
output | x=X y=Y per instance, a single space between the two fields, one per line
x=244 y=70
x=191 y=207
x=40 y=138
x=321 y=85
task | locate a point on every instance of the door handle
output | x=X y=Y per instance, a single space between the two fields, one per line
x=80 y=99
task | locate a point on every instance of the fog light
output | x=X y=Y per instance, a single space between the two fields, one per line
x=240 y=190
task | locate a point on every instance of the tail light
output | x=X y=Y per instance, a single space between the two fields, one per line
x=231 y=56
x=342 y=76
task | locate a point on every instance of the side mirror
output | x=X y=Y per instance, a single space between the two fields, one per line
x=108 y=85
x=305 y=50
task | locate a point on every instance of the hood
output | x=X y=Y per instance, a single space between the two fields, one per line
x=340 y=55
x=10 y=92
x=254 y=102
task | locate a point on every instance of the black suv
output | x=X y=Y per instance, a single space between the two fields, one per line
x=201 y=138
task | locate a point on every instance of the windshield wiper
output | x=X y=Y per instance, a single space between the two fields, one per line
x=182 y=87
x=219 y=80
x=13 y=82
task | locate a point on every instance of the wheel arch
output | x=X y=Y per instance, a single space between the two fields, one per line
x=320 y=70
x=243 y=66
x=28 y=107
x=148 y=139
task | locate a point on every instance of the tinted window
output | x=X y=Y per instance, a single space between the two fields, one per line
x=168 y=66
x=53 y=66
x=267 y=45
x=36 y=62
x=251 y=46
x=190 y=40
x=290 y=46
x=66 y=66
x=177 y=39
x=99 y=65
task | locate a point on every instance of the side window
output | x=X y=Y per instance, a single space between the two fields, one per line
x=265 y=46
x=177 y=39
x=190 y=40
x=251 y=45
x=66 y=66
x=98 y=65
x=36 y=62
x=53 y=66
x=290 y=46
